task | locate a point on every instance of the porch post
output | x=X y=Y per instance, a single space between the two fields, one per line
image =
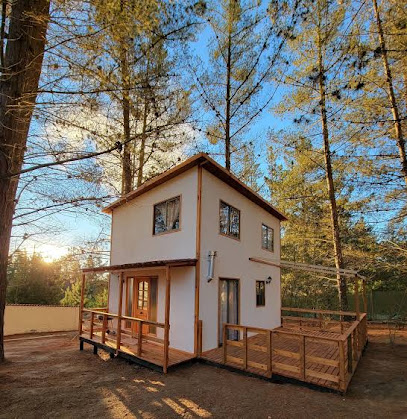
x=167 y=318
x=197 y=325
x=81 y=304
x=119 y=311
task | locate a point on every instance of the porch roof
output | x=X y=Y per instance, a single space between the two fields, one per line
x=149 y=264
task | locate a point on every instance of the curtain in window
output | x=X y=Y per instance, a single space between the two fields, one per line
x=224 y=218
x=160 y=218
x=173 y=214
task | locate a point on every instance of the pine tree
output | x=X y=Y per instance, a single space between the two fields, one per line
x=317 y=52
x=243 y=52
x=129 y=67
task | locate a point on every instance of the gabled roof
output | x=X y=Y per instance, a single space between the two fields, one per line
x=211 y=166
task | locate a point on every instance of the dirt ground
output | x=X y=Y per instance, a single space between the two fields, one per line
x=47 y=377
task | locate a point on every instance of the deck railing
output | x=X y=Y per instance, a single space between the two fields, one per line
x=100 y=331
x=325 y=355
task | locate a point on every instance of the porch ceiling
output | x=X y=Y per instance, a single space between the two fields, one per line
x=149 y=264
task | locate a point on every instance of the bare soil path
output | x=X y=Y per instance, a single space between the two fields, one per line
x=47 y=377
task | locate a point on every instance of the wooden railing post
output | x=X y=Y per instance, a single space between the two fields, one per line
x=350 y=356
x=364 y=295
x=199 y=349
x=139 y=337
x=104 y=327
x=302 y=357
x=225 y=339
x=342 y=375
x=269 y=353
x=119 y=314
x=81 y=304
x=92 y=319
x=245 y=347
x=167 y=319
x=355 y=346
x=357 y=299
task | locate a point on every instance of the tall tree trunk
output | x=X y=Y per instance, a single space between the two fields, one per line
x=18 y=91
x=401 y=144
x=127 y=177
x=343 y=299
x=142 y=153
x=228 y=89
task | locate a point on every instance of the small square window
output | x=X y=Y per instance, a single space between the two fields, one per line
x=267 y=238
x=229 y=220
x=166 y=215
x=260 y=293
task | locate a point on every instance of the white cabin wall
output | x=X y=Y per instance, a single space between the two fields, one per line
x=232 y=260
x=132 y=238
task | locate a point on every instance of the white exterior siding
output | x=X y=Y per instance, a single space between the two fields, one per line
x=232 y=260
x=132 y=224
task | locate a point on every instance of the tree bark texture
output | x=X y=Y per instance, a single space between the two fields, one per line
x=401 y=144
x=343 y=299
x=18 y=91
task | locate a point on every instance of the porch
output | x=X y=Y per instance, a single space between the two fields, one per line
x=98 y=329
x=128 y=330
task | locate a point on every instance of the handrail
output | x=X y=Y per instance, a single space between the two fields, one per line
x=128 y=318
x=149 y=322
x=354 y=325
x=103 y=313
x=242 y=327
x=308 y=335
x=307 y=310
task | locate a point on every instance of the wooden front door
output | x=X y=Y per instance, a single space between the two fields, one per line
x=141 y=301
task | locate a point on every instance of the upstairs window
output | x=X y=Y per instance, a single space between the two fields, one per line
x=267 y=238
x=260 y=293
x=166 y=215
x=229 y=220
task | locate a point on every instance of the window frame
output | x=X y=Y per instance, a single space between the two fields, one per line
x=221 y=201
x=263 y=296
x=268 y=228
x=180 y=213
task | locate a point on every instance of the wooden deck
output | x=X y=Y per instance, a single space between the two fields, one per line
x=151 y=353
x=321 y=349
x=325 y=358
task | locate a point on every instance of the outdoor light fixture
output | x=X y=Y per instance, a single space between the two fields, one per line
x=268 y=280
x=211 y=265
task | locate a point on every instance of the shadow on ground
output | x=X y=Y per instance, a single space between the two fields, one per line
x=49 y=377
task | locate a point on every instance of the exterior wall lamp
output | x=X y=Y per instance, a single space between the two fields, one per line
x=268 y=280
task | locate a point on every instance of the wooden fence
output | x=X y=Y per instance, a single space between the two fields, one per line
x=325 y=353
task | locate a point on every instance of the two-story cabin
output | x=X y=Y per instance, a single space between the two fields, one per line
x=204 y=224
x=195 y=266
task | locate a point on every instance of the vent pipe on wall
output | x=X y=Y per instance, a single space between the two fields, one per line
x=211 y=265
